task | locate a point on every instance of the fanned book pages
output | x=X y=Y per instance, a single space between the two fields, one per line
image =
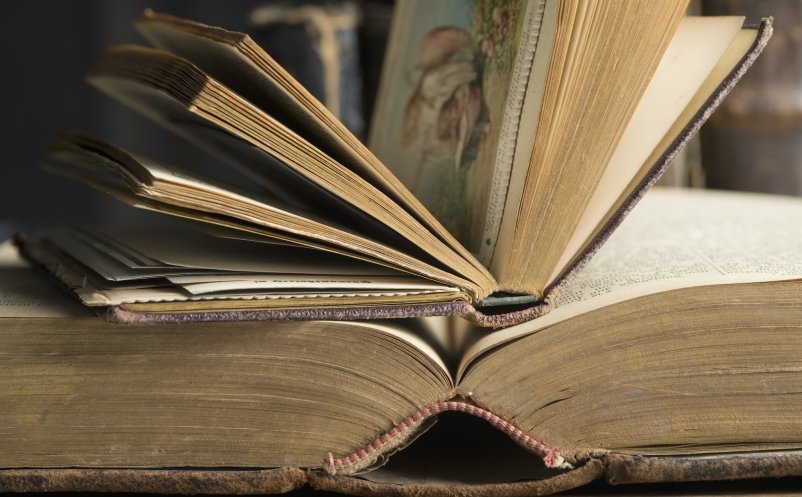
x=673 y=356
x=509 y=139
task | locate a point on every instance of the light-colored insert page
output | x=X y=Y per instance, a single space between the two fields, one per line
x=697 y=46
x=675 y=239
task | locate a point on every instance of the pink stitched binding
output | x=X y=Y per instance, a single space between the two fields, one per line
x=366 y=456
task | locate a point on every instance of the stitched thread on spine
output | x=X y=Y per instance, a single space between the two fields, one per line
x=366 y=456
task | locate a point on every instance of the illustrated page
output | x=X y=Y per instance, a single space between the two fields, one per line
x=441 y=112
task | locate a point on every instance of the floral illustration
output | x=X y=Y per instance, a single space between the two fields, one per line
x=458 y=71
x=493 y=32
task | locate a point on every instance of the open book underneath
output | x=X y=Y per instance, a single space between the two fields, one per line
x=567 y=132
x=681 y=338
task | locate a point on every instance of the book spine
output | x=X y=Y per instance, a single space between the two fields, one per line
x=369 y=454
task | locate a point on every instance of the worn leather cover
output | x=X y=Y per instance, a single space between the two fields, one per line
x=495 y=315
x=153 y=481
x=614 y=468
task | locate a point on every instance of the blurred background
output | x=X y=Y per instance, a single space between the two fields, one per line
x=335 y=47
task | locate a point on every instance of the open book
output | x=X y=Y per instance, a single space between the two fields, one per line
x=674 y=355
x=508 y=144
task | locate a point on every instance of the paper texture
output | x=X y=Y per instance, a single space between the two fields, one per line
x=194 y=249
x=681 y=73
x=500 y=233
x=423 y=334
x=675 y=239
x=183 y=251
x=514 y=130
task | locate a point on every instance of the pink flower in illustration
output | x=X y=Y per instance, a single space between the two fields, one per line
x=487 y=46
x=480 y=16
x=502 y=23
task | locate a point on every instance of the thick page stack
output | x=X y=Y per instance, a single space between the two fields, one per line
x=491 y=185
x=673 y=356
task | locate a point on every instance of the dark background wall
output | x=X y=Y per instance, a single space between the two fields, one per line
x=49 y=46
x=753 y=142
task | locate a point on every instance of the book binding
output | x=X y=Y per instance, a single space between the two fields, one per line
x=613 y=468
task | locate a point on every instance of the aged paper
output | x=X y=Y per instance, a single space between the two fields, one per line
x=677 y=238
x=680 y=75
x=194 y=249
x=183 y=251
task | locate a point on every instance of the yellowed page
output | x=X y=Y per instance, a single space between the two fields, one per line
x=251 y=275
x=218 y=226
x=498 y=251
x=598 y=93
x=194 y=249
x=332 y=180
x=239 y=63
x=424 y=334
x=189 y=191
x=696 y=48
x=676 y=239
